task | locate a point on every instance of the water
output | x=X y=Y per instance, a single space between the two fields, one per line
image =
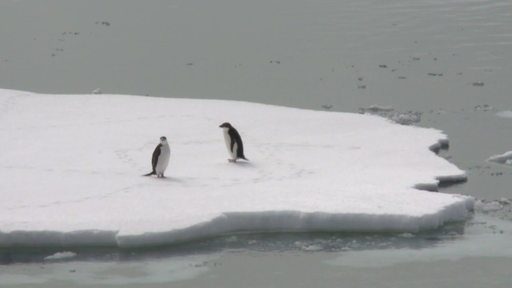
x=429 y=259
x=255 y=242
x=450 y=62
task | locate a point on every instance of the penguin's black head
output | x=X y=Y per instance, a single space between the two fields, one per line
x=225 y=125
x=163 y=139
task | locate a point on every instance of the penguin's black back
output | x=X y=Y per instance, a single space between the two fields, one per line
x=235 y=138
x=156 y=154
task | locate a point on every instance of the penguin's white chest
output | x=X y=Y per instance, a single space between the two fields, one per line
x=227 y=139
x=163 y=159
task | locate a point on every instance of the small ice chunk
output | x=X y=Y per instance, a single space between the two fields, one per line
x=403 y=118
x=60 y=256
x=505 y=158
x=505 y=114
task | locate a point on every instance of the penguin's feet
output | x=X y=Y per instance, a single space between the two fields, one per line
x=232 y=160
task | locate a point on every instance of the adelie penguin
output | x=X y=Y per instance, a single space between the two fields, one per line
x=233 y=142
x=160 y=158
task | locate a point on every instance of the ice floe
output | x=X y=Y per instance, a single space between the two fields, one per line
x=71 y=169
x=505 y=158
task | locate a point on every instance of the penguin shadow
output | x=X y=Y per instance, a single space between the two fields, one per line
x=243 y=164
x=172 y=179
x=166 y=179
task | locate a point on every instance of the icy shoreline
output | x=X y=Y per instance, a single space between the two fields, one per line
x=72 y=174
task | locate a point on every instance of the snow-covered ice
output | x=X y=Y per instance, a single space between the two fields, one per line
x=71 y=169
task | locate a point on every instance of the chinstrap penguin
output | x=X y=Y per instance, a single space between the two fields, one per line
x=160 y=158
x=233 y=142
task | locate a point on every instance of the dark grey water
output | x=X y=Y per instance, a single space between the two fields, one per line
x=447 y=62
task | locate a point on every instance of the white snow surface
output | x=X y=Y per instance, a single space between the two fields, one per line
x=71 y=169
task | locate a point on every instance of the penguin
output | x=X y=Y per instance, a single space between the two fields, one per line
x=233 y=142
x=160 y=158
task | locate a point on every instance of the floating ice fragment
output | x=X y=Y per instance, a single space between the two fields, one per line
x=505 y=114
x=403 y=118
x=505 y=158
x=61 y=256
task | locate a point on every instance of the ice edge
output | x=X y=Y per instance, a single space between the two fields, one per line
x=236 y=222
x=446 y=180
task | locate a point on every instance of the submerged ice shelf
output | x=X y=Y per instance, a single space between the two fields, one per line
x=71 y=167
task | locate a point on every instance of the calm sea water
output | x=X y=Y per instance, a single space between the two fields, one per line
x=448 y=62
